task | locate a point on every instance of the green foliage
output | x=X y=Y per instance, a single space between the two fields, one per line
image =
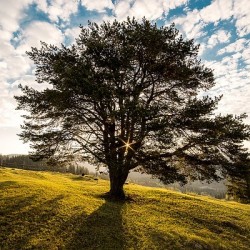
x=42 y=210
x=239 y=186
x=126 y=95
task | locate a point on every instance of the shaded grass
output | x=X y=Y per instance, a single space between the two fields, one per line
x=42 y=210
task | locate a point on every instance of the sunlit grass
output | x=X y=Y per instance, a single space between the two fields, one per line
x=41 y=210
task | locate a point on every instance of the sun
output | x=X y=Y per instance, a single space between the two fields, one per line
x=127 y=145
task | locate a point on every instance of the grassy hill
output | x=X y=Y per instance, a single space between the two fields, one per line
x=42 y=210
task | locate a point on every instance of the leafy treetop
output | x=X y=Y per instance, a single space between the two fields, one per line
x=126 y=95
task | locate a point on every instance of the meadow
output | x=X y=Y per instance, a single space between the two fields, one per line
x=45 y=210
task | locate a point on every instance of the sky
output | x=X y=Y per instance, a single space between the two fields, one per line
x=221 y=27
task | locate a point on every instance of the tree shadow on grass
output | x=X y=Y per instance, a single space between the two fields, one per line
x=22 y=218
x=182 y=228
x=82 y=178
x=103 y=229
x=5 y=184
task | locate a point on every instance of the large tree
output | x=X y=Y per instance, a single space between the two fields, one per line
x=128 y=95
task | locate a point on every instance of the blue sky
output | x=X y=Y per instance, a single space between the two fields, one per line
x=221 y=27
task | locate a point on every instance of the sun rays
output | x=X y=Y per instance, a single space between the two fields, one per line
x=127 y=145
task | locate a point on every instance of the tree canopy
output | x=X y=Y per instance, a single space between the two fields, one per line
x=128 y=95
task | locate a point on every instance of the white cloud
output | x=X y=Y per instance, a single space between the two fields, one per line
x=11 y=12
x=28 y=80
x=121 y=9
x=225 y=9
x=217 y=10
x=10 y=142
x=39 y=31
x=242 y=15
x=97 y=5
x=237 y=46
x=246 y=54
x=9 y=116
x=233 y=82
x=15 y=65
x=5 y=49
x=235 y=100
x=202 y=49
x=42 y=5
x=225 y=67
x=58 y=9
x=72 y=33
x=192 y=17
x=221 y=36
x=151 y=9
x=220 y=10
x=172 y=4
x=191 y=24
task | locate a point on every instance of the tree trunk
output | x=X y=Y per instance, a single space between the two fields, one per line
x=117 y=180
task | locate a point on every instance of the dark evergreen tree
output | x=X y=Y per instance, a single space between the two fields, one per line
x=238 y=185
x=126 y=95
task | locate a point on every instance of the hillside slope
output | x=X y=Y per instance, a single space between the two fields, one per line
x=42 y=210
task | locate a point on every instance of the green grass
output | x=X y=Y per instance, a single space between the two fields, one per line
x=42 y=210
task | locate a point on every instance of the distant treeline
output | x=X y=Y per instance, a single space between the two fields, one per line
x=24 y=162
x=214 y=189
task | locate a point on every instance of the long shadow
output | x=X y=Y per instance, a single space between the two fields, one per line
x=21 y=220
x=103 y=229
x=4 y=184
